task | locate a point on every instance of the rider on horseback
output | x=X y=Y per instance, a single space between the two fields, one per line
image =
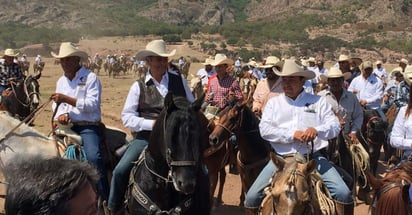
x=290 y=122
x=143 y=104
x=9 y=70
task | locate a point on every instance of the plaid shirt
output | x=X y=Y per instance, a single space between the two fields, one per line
x=221 y=88
x=6 y=72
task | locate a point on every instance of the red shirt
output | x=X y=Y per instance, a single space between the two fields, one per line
x=221 y=88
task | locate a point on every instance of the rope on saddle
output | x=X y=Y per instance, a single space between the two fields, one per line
x=326 y=203
x=361 y=160
x=73 y=150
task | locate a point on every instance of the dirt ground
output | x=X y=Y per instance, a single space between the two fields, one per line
x=113 y=98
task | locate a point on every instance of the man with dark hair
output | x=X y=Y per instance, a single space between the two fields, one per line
x=49 y=186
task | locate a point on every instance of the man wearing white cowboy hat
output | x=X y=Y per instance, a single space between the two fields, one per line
x=346 y=107
x=292 y=122
x=143 y=104
x=267 y=87
x=222 y=84
x=207 y=72
x=9 y=70
x=78 y=100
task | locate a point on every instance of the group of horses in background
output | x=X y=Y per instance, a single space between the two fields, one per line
x=25 y=67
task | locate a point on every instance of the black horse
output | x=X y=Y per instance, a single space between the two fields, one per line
x=22 y=98
x=170 y=178
x=372 y=136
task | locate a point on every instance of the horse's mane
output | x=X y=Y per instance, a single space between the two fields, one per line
x=396 y=199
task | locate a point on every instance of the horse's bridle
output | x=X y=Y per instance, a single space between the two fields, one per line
x=291 y=188
x=388 y=187
x=28 y=95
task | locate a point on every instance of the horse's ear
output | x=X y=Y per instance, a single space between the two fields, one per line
x=198 y=103
x=168 y=102
x=375 y=183
x=37 y=77
x=279 y=162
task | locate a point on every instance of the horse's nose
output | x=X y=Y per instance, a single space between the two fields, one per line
x=213 y=140
x=187 y=186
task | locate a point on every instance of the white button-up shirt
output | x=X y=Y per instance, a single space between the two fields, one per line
x=131 y=118
x=401 y=136
x=86 y=88
x=282 y=117
x=370 y=89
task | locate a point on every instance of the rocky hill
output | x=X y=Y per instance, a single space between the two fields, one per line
x=346 y=20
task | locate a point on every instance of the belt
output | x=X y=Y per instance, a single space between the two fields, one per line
x=84 y=123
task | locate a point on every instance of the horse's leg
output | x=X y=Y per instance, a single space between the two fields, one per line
x=222 y=179
x=374 y=153
x=213 y=184
x=242 y=198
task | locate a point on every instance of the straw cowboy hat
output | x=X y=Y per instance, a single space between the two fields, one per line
x=343 y=57
x=294 y=68
x=221 y=59
x=403 y=60
x=407 y=75
x=378 y=62
x=68 y=49
x=208 y=61
x=335 y=72
x=271 y=61
x=312 y=59
x=367 y=64
x=155 y=48
x=252 y=63
x=11 y=53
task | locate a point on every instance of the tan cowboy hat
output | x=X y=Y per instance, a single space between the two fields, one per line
x=271 y=61
x=221 y=59
x=407 y=75
x=343 y=57
x=294 y=68
x=11 y=53
x=208 y=61
x=378 y=62
x=312 y=59
x=367 y=64
x=335 y=72
x=252 y=63
x=155 y=48
x=68 y=49
x=403 y=60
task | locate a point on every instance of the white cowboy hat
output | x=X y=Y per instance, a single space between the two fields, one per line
x=312 y=59
x=67 y=49
x=271 y=61
x=252 y=63
x=403 y=60
x=335 y=72
x=155 y=48
x=343 y=57
x=208 y=61
x=11 y=53
x=366 y=64
x=294 y=68
x=221 y=59
x=407 y=75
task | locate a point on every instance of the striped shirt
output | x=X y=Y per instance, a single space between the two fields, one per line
x=220 y=87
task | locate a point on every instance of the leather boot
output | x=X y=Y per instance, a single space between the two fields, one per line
x=344 y=208
x=251 y=211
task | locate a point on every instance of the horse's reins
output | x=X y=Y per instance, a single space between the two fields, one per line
x=25 y=92
x=26 y=120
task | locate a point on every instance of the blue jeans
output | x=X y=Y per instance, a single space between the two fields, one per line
x=2 y=88
x=91 y=144
x=120 y=178
x=330 y=176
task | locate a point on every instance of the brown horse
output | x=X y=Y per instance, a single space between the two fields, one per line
x=240 y=123
x=296 y=189
x=392 y=192
x=216 y=157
